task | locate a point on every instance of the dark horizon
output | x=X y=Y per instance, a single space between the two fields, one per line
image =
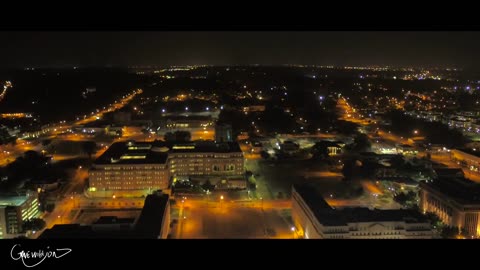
x=337 y=48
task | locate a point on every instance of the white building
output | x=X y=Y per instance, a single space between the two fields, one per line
x=314 y=218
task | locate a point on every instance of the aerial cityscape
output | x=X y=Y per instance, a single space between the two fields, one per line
x=228 y=149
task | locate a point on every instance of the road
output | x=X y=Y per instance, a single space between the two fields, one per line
x=447 y=161
x=226 y=219
x=9 y=152
x=348 y=113
x=68 y=200
x=115 y=106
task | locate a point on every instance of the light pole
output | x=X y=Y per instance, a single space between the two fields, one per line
x=261 y=199
x=294 y=231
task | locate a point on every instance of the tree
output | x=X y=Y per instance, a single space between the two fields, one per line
x=451 y=232
x=46 y=142
x=347 y=169
x=31 y=155
x=208 y=186
x=49 y=207
x=34 y=224
x=88 y=148
x=320 y=150
x=264 y=154
x=361 y=143
x=346 y=128
x=401 y=198
x=177 y=136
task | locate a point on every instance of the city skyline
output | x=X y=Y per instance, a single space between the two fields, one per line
x=338 y=48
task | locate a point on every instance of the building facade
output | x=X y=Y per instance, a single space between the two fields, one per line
x=130 y=169
x=14 y=211
x=456 y=201
x=206 y=161
x=173 y=123
x=314 y=219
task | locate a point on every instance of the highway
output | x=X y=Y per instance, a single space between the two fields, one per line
x=9 y=152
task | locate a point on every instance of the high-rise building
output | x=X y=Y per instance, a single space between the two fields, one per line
x=14 y=211
x=223 y=133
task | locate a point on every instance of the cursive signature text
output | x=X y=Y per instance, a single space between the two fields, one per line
x=37 y=256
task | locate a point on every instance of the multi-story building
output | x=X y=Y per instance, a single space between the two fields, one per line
x=152 y=223
x=172 y=123
x=14 y=211
x=129 y=169
x=455 y=200
x=205 y=158
x=314 y=218
x=137 y=168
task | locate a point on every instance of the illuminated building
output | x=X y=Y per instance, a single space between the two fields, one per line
x=314 y=218
x=152 y=223
x=14 y=211
x=137 y=168
x=154 y=220
x=173 y=123
x=254 y=108
x=129 y=169
x=206 y=158
x=455 y=200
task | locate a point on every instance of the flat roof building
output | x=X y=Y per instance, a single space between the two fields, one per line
x=137 y=168
x=153 y=223
x=455 y=200
x=14 y=211
x=314 y=218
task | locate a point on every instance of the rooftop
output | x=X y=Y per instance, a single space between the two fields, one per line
x=361 y=214
x=320 y=208
x=113 y=220
x=472 y=152
x=149 y=224
x=137 y=153
x=329 y=216
x=461 y=190
x=156 y=152
x=449 y=172
x=8 y=200
x=190 y=118
x=77 y=231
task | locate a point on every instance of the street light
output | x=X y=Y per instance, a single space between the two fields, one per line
x=294 y=232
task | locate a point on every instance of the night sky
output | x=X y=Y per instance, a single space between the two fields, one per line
x=121 y=48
